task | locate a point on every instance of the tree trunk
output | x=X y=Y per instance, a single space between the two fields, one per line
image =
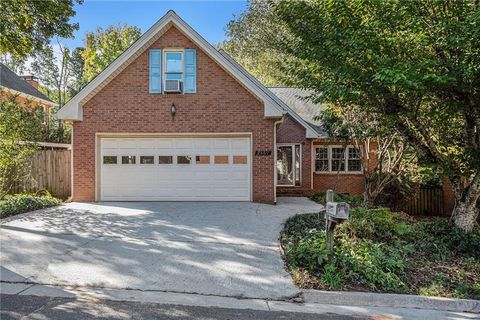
x=467 y=210
x=465 y=215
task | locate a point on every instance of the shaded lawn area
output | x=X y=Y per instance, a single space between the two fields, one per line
x=380 y=251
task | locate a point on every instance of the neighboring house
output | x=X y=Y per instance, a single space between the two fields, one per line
x=25 y=89
x=174 y=119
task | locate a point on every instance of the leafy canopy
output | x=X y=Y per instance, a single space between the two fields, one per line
x=25 y=25
x=416 y=64
x=104 y=46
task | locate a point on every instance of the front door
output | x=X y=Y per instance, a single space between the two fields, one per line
x=288 y=165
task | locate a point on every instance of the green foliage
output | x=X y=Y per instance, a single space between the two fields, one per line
x=443 y=240
x=20 y=129
x=104 y=46
x=379 y=250
x=250 y=40
x=411 y=67
x=420 y=76
x=353 y=200
x=20 y=203
x=25 y=26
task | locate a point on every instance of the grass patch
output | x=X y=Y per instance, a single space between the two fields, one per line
x=20 y=203
x=380 y=251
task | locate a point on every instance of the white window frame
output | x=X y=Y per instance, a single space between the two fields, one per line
x=329 y=151
x=164 y=63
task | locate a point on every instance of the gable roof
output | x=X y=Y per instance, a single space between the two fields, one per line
x=273 y=107
x=297 y=100
x=10 y=81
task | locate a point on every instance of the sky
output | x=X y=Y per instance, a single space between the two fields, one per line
x=208 y=18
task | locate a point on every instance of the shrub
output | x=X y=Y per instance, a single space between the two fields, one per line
x=19 y=203
x=378 y=250
x=338 y=197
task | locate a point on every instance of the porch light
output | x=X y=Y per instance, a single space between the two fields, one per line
x=173 y=110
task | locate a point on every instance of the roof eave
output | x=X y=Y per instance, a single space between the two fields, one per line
x=30 y=97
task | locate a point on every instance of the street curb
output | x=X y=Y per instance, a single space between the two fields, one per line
x=390 y=300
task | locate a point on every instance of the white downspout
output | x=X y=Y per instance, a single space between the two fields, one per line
x=275 y=159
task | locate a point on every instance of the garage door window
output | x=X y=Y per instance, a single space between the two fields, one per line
x=202 y=159
x=165 y=160
x=221 y=159
x=128 y=159
x=184 y=159
x=239 y=159
x=147 y=159
x=109 y=159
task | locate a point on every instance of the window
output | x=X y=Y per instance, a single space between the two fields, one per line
x=354 y=159
x=338 y=159
x=239 y=159
x=165 y=159
x=173 y=65
x=221 y=159
x=321 y=159
x=184 y=159
x=147 y=159
x=109 y=159
x=334 y=159
x=128 y=159
x=202 y=159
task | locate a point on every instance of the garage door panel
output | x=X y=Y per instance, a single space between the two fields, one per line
x=208 y=181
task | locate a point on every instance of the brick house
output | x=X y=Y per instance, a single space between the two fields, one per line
x=174 y=119
x=25 y=90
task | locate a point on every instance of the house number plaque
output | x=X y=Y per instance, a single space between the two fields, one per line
x=263 y=153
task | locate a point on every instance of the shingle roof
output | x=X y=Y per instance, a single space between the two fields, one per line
x=10 y=80
x=297 y=100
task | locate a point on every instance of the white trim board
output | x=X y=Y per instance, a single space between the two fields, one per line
x=273 y=106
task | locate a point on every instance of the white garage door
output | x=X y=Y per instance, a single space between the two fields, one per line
x=175 y=169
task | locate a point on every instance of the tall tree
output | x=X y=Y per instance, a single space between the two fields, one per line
x=58 y=71
x=250 y=40
x=16 y=64
x=77 y=65
x=414 y=63
x=104 y=46
x=25 y=25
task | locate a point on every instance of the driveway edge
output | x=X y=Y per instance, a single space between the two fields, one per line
x=390 y=300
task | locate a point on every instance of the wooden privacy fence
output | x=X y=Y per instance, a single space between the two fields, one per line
x=50 y=170
x=427 y=202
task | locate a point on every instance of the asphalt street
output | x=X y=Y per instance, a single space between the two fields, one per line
x=35 y=307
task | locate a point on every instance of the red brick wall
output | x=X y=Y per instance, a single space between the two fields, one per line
x=290 y=131
x=448 y=196
x=220 y=105
x=351 y=183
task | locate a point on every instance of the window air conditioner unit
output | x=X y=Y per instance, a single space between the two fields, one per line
x=173 y=85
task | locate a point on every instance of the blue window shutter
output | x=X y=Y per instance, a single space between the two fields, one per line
x=190 y=84
x=155 y=72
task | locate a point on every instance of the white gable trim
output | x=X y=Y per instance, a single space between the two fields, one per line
x=310 y=132
x=73 y=108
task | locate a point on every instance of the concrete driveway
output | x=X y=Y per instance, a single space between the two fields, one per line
x=224 y=249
